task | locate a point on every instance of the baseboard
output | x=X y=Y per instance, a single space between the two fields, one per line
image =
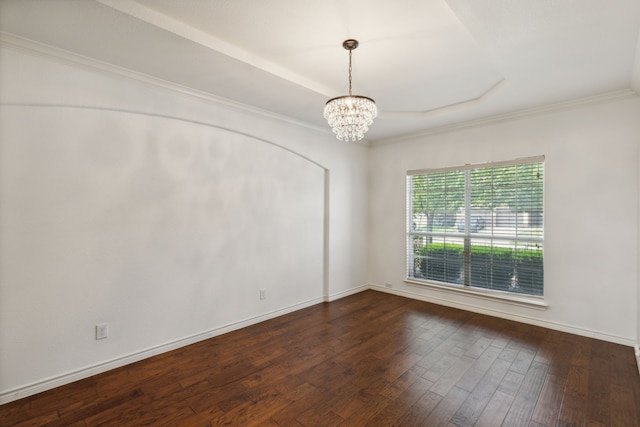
x=51 y=383
x=48 y=384
x=346 y=293
x=509 y=316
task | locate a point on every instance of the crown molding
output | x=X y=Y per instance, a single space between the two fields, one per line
x=91 y=64
x=179 y=28
x=489 y=92
x=515 y=115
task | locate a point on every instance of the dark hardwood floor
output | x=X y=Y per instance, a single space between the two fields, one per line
x=371 y=359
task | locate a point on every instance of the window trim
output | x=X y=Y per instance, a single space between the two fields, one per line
x=488 y=294
x=532 y=301
x=468 y=166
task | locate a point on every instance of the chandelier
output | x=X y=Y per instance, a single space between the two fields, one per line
x=350 y=115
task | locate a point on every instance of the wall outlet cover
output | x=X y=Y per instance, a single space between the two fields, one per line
x=102 y=331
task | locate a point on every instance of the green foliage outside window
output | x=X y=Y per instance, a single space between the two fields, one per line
x=490 y=267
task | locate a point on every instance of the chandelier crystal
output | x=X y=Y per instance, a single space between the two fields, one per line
x=350 y=115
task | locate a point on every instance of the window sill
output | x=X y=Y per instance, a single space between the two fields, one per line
x=522 y=300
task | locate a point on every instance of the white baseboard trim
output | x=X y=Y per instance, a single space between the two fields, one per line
x=50 y=383
x=346 y=293
x=509 y=316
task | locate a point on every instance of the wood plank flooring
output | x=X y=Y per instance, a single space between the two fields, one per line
x=371 y=359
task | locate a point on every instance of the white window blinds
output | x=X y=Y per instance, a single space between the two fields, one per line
x=479 y=226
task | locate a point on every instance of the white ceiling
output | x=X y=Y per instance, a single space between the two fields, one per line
x=427 y=63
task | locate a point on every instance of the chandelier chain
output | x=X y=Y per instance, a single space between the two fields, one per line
x=350 y=51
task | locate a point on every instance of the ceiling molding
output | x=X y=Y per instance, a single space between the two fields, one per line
x=167 y=23
x=64 y=56
x=531 y=112
x=451 y=108
x=87 y=63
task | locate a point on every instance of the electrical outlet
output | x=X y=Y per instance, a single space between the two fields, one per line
x=388 y=285
x=102 y=331
x=263 y=294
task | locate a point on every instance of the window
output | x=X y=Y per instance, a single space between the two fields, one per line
x=478 y=227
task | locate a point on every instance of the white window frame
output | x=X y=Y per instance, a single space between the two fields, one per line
x=510 y=297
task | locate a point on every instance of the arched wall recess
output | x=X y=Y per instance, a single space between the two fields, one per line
x=163 y=227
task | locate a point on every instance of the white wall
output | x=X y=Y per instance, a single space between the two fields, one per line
x=591 y=212
x=159 y=212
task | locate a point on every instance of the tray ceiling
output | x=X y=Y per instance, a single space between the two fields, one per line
x=427 y=63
